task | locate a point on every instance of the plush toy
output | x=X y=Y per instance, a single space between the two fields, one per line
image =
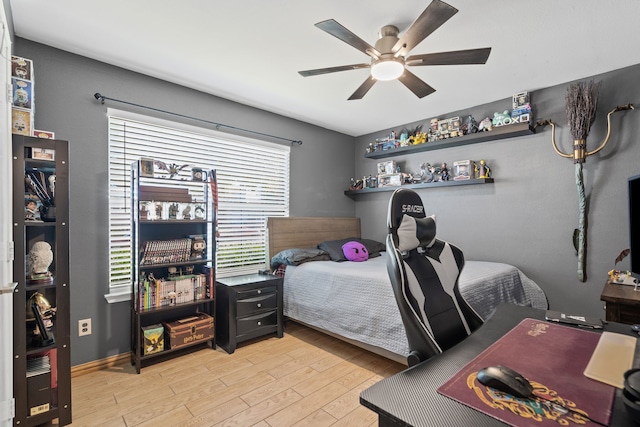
x=355 y=251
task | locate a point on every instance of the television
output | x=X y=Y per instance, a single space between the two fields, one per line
x=634 y=225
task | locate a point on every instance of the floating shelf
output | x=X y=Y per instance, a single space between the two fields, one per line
x=353 y=193
x=502 y=132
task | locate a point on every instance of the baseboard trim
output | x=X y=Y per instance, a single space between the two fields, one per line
x=100 y=364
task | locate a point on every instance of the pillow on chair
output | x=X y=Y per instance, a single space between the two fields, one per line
x=416 y=232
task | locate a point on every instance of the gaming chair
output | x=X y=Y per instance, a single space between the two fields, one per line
x=424 y=275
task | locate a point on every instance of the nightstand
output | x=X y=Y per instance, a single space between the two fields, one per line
x=247 y=307
x=622 y=303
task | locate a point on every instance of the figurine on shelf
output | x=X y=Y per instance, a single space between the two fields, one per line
x=31 y=212
x=483 y=171
x=173 y=211
x=186 y=212
x=485 y=125
x=444 y=174
x=39 y=259
x=158 y=210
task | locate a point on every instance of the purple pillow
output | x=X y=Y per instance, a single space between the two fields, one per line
x=355 y=251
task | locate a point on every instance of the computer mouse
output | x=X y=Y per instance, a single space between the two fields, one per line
x=506 y=380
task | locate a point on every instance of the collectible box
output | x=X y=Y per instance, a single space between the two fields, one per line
x=463 y=169
x=390 y=180
x=153 y=337
x=189 y=330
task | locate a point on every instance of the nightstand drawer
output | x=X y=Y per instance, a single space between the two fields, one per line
x=248 y=306
x=261 y=321
x=250 y=293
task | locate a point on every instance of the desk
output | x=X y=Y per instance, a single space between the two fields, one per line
x=622 y=303
x=410 y=398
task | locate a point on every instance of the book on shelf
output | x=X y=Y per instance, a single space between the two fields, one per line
x=166 y=251
x=156 y=293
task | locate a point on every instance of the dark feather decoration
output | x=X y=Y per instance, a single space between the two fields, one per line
x=622 y=256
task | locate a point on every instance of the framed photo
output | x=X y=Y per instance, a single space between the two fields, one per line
x=146 y=167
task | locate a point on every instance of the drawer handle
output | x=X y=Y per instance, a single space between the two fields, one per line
x=259 y=291
x=259 y=305
x=259 y=323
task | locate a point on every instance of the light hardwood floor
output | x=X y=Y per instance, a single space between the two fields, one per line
x=305 y=378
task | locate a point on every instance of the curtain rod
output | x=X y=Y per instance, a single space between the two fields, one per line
x=102 y=98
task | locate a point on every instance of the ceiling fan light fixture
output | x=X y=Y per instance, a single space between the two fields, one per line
x=387 y=69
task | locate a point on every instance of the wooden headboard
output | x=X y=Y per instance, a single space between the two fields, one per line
x=307 y=232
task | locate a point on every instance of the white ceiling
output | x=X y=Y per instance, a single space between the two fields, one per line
x=251 y=51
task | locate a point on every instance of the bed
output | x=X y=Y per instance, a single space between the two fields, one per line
x=354 y=301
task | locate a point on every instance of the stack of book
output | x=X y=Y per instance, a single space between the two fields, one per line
x=171 y=291
x=166 y=251
x=38 y=384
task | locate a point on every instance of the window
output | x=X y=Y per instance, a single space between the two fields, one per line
x=253 y=184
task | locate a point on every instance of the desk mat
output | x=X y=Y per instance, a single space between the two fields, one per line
x=553 y=358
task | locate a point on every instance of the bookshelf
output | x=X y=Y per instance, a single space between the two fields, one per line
x=173 y=262
x=41 y=313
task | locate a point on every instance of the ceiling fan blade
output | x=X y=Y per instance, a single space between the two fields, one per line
x=308 y=73
x=458 y=57
x=415 y=84
x=363 y=89
x=436 y=14
x=332 y=27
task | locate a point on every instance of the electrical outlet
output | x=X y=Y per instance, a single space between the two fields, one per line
x=84 y=327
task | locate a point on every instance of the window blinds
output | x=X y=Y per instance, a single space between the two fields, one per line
x=253 y=184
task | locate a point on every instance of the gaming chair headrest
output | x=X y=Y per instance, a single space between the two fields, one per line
x=407 y=222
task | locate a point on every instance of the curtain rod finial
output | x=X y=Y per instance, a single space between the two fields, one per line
x=298 y=142
x=99 y=97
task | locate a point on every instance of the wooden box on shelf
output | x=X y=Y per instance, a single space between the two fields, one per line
x=189 y=330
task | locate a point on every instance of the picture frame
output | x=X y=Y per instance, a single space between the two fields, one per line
x=146 y=167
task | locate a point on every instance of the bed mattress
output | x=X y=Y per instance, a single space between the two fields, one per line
x=355 y=299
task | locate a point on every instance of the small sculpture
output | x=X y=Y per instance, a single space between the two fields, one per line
x=483 y=171
x=39 y=259
x=186 y=212
x=158 y=210
x=31 y=212
x=501 y=119
x=197 y=248
x=444 y=174
x=173 y=211
x=485 y=125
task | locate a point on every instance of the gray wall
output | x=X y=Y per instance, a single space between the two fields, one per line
x=64 y=88
x=528 y=216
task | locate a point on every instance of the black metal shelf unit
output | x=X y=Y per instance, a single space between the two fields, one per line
x=166 y=210
x=41 y=332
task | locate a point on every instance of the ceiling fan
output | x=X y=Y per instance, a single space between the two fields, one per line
x=388 y=57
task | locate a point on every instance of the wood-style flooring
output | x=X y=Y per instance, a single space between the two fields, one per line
x=305 y=378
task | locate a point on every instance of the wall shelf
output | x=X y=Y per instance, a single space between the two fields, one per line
x=354 y=193
x=502 y=132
